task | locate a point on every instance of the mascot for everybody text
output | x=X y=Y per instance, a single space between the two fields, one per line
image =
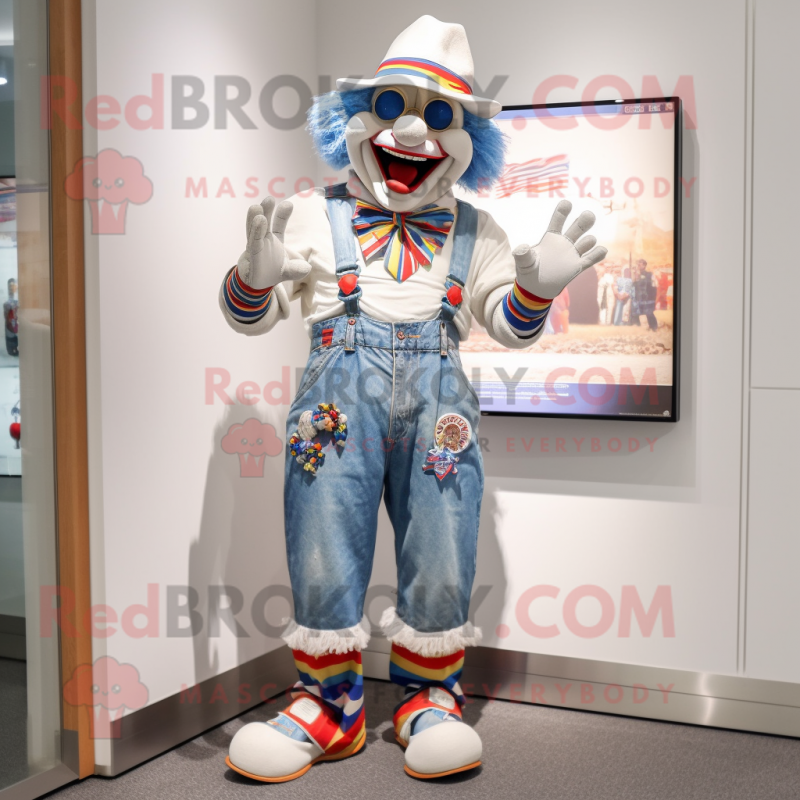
x=390 y=269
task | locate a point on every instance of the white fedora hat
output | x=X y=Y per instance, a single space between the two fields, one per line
x=430 y=54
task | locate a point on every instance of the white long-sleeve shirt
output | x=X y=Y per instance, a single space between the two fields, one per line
x=308 y=237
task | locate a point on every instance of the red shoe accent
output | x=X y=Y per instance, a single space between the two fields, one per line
x=421 y=701
x=321 y=725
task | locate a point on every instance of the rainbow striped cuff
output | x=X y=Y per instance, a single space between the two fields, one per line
x=245 y=304
x=414 y=671
x=524 y=311
x=337 y=679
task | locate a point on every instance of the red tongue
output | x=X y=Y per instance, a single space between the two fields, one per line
x=402 y=174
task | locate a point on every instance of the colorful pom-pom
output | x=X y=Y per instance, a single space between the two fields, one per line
x=307 y=451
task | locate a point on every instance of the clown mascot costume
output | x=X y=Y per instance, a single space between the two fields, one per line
x=390 y=269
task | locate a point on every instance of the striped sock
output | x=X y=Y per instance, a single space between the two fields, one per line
x=415 y=671
x=245 y=304
x=524 y=311
x=431 y=684
x=334 y=683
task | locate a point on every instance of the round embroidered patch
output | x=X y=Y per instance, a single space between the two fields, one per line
x=453 y=432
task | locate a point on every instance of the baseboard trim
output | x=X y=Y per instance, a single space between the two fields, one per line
x=159 y=727
x=718 y=701
x=696 y=698
x=40 y=784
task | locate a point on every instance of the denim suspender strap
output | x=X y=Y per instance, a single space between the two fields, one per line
x=460 y=260
x=340 y=214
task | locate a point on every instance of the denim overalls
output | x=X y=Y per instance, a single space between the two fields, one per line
x=394 y=381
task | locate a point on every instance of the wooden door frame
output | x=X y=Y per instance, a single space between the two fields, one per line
x=69 y=376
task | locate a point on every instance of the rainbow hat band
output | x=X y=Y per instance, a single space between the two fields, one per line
x=432 y=55
x=426 y=69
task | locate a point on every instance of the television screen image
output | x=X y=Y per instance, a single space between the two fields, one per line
x=610 y=347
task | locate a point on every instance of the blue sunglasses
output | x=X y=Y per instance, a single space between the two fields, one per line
x=390 y=104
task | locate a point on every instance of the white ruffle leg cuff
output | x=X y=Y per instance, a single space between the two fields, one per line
x=319 y=642
x=441 y=643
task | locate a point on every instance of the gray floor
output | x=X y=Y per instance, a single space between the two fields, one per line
x=529 y=752
x=13 y=722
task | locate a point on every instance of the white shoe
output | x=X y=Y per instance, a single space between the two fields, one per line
x=261 y=752
x=444 y=749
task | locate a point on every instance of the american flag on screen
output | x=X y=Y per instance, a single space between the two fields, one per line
x=534 y=177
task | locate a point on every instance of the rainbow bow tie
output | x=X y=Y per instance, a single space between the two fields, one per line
x=405 y=240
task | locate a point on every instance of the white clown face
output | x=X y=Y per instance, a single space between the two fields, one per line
x=411 y=148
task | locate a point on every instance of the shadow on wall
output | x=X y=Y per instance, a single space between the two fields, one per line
x=654 y=460
x=237 y=565
x=491 y=584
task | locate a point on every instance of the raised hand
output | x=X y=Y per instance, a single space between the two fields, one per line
x=544 y=270
x=264 y=263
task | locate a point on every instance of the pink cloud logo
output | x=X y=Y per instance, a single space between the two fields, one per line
x=252 y=441
x=106 y=688
x=109 y=182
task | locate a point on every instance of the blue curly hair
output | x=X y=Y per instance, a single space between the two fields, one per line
x=329 y=114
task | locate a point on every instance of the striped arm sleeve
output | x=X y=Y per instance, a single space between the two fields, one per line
x=524 y=311
x=243 y=303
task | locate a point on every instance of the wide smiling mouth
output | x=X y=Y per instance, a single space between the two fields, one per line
x=404 y=171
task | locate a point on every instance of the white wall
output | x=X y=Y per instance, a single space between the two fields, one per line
x=773 y=600
x=168 y=506
x=670 y=517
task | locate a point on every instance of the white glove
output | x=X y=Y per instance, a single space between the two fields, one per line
x=264 y=263
x=546 y=269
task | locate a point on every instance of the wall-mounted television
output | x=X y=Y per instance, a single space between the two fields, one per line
x=610 y=349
